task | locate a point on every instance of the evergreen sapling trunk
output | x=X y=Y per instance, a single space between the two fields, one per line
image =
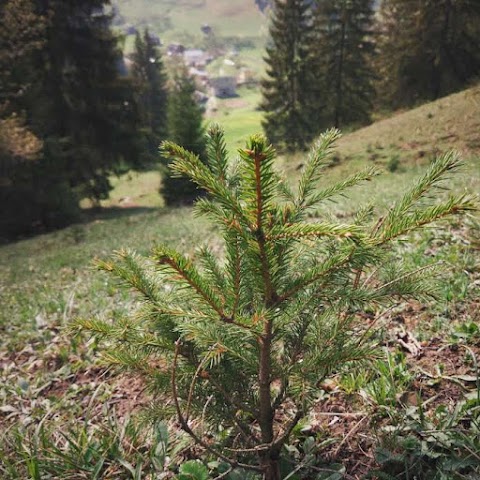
x=242 y=341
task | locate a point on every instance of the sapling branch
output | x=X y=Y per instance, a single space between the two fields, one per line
x=312 y=280
x=192 y=386
x=192 y=279
x=236 y=278
x=228 y=398
x=266 y=412
x=257 y=158
x=270 y=294
x=405 y=276
x=403 y=224
x=186 y=427
x=243 y=429
x=283 y=439
x=296 y=351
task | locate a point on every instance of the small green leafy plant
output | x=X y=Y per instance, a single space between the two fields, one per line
x=443 y=444
x=392 y=378
x=394 y=163
x=239 y=341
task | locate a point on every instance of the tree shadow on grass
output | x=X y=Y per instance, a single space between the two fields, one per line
x=111 y=213
x=86 y=216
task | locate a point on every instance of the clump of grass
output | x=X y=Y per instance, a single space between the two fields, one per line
x=111 y=450
x=393 y=163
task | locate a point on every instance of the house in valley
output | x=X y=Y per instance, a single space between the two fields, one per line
x=223 y=87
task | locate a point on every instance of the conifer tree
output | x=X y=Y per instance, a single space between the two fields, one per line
x=151 y=92
x=22 y=40
x=242 y=342
x=34 y=189
x=288 y=89
x=20 y=150
x=343 y=50
x=185 y=127
x=58 y=74
x=88 y=109
x=427 y=49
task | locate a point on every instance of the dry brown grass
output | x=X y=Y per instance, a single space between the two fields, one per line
x=452 y=122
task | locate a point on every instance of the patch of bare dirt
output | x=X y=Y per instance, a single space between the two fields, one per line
x=443 y=375
x=341 y=417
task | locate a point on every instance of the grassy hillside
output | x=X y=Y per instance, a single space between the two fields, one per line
x=180 y=21
x=62 y=409
x=451 y=122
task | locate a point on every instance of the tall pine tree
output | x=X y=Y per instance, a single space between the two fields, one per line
x=34 y=191
x=343 y=50
x=287 y=90
x=22 y=39
x=90 y=110
x=427 y=48
x=59 y=82
x=150 y=82
x=185 y=127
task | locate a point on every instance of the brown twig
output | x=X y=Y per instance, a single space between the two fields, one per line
x=367 y=280
x=256 y=449
x=358 y=275
x=370 y=327
x=192 y=387
x=224 y=474
x=378 y=225
x=349 y=434
x=278 y=444
x=342 y=414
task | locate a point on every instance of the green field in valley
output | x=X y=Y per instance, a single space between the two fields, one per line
x=181 y=21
